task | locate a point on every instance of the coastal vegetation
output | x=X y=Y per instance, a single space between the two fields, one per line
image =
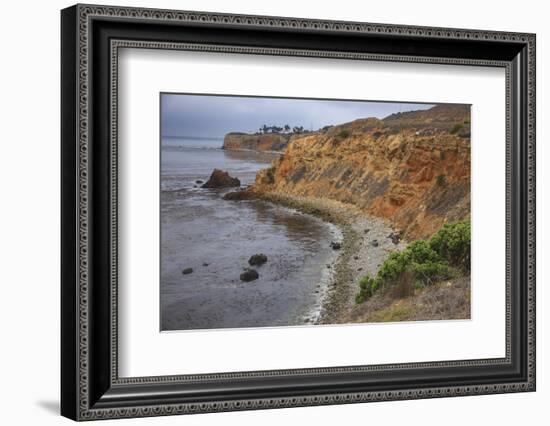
x=265 y=129
x=343 y=134
x=424 y=262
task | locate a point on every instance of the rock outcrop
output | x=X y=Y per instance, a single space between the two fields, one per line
x=256 y=142
x=411 y=168
x=257 y=259
x=249 y=275
x=221 y=179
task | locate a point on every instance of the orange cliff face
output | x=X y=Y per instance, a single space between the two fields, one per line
x=412 y=168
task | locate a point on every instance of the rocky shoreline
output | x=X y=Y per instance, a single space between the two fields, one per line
x=366 y=243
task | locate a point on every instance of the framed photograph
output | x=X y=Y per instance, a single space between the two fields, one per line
x=263 y=212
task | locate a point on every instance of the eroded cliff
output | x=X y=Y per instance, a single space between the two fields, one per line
x=411 y=168
x=256 y=142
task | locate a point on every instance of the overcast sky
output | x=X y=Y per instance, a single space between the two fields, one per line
x=214 y=116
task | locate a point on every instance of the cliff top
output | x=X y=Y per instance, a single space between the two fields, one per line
x=453 y=118
x=440 y=116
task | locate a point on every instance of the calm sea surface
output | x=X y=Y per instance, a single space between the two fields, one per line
x=216 y=237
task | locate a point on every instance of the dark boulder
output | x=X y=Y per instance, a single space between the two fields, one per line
x=335 y=246
x=374 y=243
x=198 y=181
x=221 y=179
x=395 y=237
x=257 y=259
x=187 y=271
x=249 y=275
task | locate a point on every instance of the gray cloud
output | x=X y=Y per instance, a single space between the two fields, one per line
x=214 y=116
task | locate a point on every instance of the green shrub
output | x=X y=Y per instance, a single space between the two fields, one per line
x=367 y=287
x=456 y=128
x=394 y=266
x=452 y=242
x=424 y=262
x=343 y=134
x=421 y=252
x=270 y=175
x=440 y=180
x=431 y=272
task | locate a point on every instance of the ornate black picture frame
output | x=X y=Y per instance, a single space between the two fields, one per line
x=91 y=387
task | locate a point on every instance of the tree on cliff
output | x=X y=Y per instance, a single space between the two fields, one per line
x=278 y=129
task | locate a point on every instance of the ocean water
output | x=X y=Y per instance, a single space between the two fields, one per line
x=216 y=238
